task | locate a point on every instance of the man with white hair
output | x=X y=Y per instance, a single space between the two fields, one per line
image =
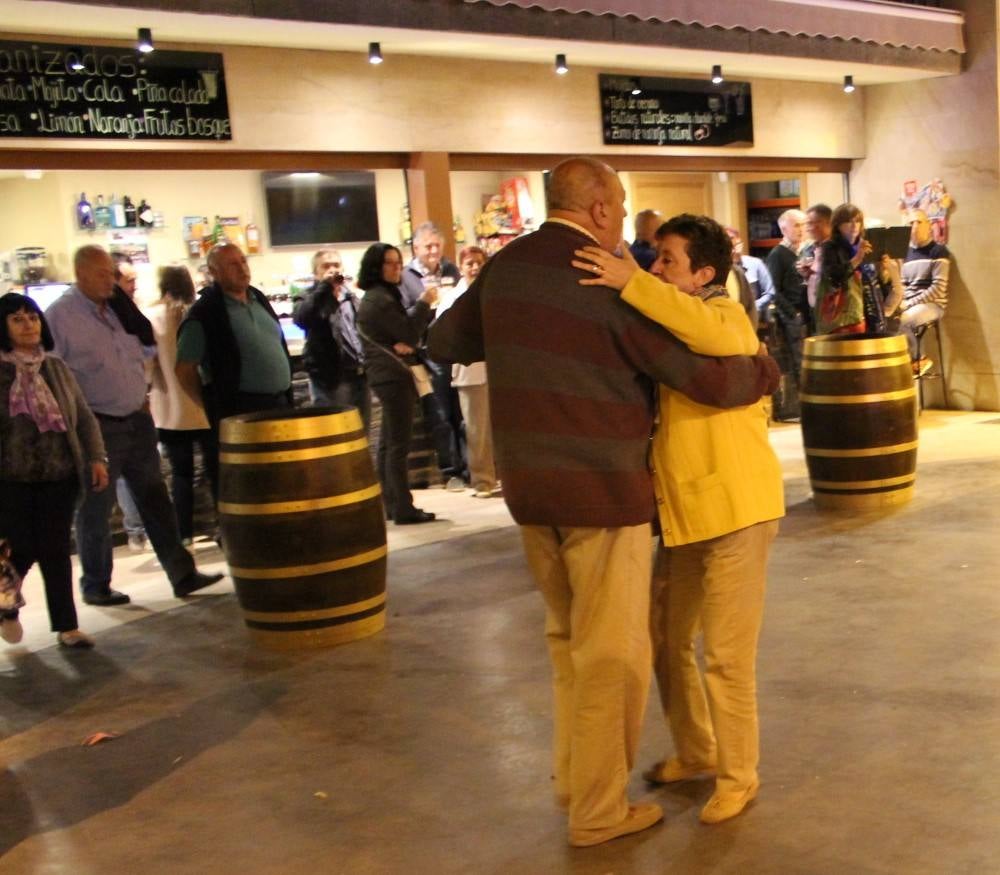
x=791 y=306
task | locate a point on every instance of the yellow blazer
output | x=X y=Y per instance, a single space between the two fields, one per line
x=714 y=470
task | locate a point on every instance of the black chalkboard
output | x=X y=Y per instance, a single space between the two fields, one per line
x=118 y=95
x=652 y=111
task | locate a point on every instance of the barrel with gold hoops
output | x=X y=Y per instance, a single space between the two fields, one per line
x=859 y=420
x=302 y=524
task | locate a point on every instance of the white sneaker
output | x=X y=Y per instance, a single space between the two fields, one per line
x=137 y=543
x=455 y=484
x=11 y=630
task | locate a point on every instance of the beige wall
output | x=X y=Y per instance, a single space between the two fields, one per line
x=947 y=128
x=333 y=101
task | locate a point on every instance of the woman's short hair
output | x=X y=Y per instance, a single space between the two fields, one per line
x=847 y=213
x=12 y=303
x=370 y=272
x=175 y=282
x=469 y=251
x=707 y=243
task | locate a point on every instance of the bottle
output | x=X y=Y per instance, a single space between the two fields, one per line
x=84 y=214
x=117 y=212
x=253 y=239
x=145 y=214
x=218 y=232
x=102 y=214
x=405 y=225
x=130 y=212
x=459 y=232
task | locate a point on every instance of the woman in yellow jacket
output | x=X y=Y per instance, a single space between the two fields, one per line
x=719 y=496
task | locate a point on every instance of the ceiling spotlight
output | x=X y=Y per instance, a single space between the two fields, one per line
x=636 y=88
x=562 y=68
x=144 y=43
x=717 y=74
x=76 y=64
x=374 y=53
x=848 y=84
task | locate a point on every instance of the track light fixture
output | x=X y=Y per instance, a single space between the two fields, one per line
x=636 y=88
x=717 y=74
x=144 y=43
x=374 y=53
x=76 y=65
x=562 y=68
x=848 y=84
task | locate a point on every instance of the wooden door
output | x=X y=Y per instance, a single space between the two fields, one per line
x=671 y=193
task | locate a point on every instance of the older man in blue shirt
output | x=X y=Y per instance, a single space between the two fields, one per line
x=107 y=361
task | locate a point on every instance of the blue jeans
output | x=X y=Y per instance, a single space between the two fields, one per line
x=347 y=393
x=131 y=521
x=130 y=443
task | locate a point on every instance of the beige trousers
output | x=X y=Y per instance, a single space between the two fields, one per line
x=716 y=586
x=475 y=404
x=595 y=583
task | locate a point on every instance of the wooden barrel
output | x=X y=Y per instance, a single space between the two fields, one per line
x=302 y=524
x=859 y=420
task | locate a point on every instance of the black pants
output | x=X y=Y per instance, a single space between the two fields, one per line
x=37 y=519
x=179 y=447
x=445 y=423
x=397 y=400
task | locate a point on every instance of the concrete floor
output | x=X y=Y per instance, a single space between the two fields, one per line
x=426 y=748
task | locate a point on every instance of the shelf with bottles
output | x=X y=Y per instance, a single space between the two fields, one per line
x=200 y=236
x=766 y=201
x=115 y=215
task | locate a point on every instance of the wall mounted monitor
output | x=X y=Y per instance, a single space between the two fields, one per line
x=309 y=209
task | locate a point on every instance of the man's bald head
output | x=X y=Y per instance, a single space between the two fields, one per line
x=588 y=192
x=95 y=273
x=646 y=224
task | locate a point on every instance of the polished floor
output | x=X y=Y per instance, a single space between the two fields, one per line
x=425 y=749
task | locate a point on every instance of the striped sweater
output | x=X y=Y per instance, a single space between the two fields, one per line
x=925 y=275
x=572 y=370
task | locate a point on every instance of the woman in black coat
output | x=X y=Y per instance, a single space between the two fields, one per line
x=391 y=335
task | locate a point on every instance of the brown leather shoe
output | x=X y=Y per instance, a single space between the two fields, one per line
x=672 y=770
x=641 y=815
x=723 y=806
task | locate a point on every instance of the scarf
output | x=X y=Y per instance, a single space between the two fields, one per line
x=30 y=395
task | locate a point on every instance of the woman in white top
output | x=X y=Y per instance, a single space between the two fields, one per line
x=473 y=396
x=180 y=422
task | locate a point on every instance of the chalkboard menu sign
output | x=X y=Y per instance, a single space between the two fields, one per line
x=96 y=92
x=650 y=111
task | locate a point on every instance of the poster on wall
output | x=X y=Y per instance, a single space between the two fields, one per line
x=932 y=200
x=654 y=111
x=56 y=91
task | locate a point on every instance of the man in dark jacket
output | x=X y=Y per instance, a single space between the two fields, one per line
x=333 y=353
x=232 y=334
x=572 y=372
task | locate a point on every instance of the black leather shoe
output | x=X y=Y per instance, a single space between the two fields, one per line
x=106 y=599
x=415 y=516
x=195 y=581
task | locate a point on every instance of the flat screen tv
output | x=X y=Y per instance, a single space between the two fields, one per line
x=309 y=209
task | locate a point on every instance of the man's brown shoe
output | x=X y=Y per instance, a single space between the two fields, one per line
x=640 y=816
x=672 y=770
x=724 y=806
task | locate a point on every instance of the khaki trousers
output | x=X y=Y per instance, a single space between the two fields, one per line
x=717 y=586
x=595 y=583
x=475 y=404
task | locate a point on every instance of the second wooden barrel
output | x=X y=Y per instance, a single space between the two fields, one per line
x=859 y=420
x=302 y=524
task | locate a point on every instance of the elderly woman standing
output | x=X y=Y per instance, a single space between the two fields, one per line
x=180 y=422
x=50 y=449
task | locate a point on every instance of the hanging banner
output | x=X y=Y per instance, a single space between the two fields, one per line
x=58 y=91
x=652 y=111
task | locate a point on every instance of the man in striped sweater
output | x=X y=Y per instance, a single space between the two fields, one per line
x=572 y=372
x=925 y=283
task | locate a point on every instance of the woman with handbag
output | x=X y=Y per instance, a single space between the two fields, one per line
x=851 y=293
x=50 y=450
x=391 y=335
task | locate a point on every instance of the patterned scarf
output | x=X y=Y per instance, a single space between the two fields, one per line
x=30 y=395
